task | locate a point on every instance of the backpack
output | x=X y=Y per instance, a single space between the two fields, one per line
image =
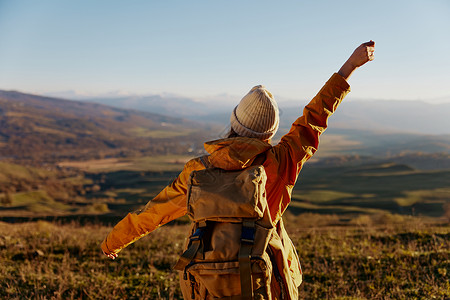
x=227 y=254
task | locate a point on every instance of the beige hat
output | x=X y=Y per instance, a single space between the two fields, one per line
x=256 y=115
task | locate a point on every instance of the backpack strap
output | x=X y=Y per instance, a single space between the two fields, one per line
x=245 y=267
x=195 y=244
x=205 y=161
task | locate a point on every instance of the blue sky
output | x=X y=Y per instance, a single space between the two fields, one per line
x=204 y=48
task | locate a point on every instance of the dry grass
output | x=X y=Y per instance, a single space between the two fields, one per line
x=376 y=257
x=95 y=164
x=158 y=163
x=51 y=261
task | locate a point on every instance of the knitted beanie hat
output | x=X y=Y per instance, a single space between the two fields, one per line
x=256 y=115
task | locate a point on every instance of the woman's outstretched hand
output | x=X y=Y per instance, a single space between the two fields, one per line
x=359 y=57
x=111 y=255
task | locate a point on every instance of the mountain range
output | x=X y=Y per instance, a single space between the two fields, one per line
x=372 y=127
x=380 y=115
x=43 y=128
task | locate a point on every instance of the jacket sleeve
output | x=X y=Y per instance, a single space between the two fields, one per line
x=168 y=205
x=302 y=141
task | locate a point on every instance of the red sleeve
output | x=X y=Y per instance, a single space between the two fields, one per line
x=302 y=141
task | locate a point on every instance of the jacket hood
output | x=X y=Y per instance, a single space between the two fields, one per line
x=235 y=153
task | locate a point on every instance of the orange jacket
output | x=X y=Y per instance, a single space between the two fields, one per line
x=282 y=164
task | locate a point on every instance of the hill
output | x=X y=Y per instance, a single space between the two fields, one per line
x=365 y=127
x=416 y=117
x=36 y=128
x=178 y=106
x=394 y=116
x=372 y=188
x=381 y=143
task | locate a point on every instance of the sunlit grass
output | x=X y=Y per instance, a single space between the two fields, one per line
x=412 y=197
x=157 y=163
x=176 y=132
x=8 y=170
x=38 y=202
x=323 y=195
x=371 y=257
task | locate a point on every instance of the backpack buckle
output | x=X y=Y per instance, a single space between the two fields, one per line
x=198 y=234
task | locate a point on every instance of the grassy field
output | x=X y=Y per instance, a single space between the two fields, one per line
x=109 y=188
x=157 y=163
x=389 y=187
x=369 y=257
x=365 y=231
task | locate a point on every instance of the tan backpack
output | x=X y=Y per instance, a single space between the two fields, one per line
x=228 y=254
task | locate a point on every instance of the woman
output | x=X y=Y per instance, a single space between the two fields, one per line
x=254 y=122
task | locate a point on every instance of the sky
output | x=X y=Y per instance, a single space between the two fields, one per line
x=206 y=48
